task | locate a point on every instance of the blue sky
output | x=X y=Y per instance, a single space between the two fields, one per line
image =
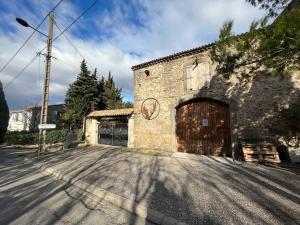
x=113 y=36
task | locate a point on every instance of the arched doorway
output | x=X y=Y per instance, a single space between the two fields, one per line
x=203 y=127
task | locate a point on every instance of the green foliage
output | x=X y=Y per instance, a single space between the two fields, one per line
x=80 y=96
x=88 y=93
x=56 y=136
x=113 y=99
x=74 y=111
x=128 y=105
x=21 y=138
x=80 y=136
x=272 y=6
x=4 y=114
x=275 y=47
x=31 y=138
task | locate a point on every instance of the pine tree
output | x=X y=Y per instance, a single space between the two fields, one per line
x=275 y=47
x=4 y=114
x=80 y=96
x=113 y=98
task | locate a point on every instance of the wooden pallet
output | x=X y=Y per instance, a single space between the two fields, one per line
x=260 y=153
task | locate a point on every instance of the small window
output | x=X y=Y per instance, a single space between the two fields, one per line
x=147 y=72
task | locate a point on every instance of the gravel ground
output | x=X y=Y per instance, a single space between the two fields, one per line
x=201 y=190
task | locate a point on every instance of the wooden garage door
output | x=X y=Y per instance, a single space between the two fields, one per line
x=203 y=127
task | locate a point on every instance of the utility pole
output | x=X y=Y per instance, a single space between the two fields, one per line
x=44 y=107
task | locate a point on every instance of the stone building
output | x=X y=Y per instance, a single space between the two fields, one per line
x=182 y=104
x=28 y=119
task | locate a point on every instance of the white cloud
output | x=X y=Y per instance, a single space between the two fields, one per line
x=116 y=43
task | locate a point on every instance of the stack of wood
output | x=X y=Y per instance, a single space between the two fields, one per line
x=260 y=153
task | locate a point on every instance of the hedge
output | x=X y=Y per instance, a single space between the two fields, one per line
x=30 y=138
x=21 y=138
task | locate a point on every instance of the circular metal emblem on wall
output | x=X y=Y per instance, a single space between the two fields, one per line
x=150 y=108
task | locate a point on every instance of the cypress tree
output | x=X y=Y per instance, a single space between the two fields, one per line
x=100 y=96
x=4 y=114
x=113 y=98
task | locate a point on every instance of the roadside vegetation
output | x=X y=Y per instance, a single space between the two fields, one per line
x=90 y=92
x=4 y=114
x=31 y=138
x=269 y=47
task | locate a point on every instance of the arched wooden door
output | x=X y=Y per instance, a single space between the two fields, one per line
x=203 y=127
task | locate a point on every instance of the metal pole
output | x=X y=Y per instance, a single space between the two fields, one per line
x=44 y=107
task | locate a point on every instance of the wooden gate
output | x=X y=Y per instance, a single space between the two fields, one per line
x=203 y=127
x=113 y=133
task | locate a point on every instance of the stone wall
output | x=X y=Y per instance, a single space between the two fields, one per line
x=255 y=101
x=91 y=131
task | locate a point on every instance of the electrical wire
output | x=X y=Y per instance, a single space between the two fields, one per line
x=81 y=15
x=28 y=38
x=21 y=71
x=73 y=45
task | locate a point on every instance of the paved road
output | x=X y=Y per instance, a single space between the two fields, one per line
x=192 y=189
x=28 y=197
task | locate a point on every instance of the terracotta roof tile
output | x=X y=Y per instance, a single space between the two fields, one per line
x=174 y=56
x=180 y=54
x=114 y=112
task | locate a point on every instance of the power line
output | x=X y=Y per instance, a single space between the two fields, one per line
x=81 y=15
x=29 y=37
x=55 y=6
x=21 y=71
x=74 y=21
x=73 y=45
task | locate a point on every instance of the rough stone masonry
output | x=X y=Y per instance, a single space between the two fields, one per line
x=255 y=102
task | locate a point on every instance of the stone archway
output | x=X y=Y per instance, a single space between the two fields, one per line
x=203 y=127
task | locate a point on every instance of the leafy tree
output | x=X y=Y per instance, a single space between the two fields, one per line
x=113 y=98
x=4 y=114
x=274 y=47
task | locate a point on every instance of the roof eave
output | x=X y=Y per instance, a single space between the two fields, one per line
x=174 y=56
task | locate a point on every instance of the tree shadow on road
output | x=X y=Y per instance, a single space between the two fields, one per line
x=208 y=190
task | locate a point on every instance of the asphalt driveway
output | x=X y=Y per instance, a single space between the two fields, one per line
x=194 y=190
x=27 y=197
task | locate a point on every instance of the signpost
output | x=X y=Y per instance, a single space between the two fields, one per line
x=46 y=126
x=43 y=127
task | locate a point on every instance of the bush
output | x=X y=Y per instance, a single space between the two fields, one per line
x=80 y=135
x=21 y=138
x=56 y=136
x=30 y=138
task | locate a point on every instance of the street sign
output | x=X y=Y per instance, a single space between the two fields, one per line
x=47 y=126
